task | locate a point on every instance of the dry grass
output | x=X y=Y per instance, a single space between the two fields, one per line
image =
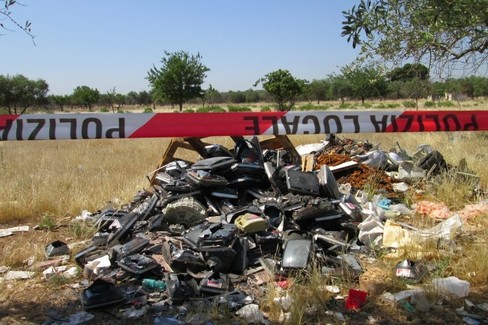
x=62 y=178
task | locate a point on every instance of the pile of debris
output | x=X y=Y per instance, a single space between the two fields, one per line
x=210 y=231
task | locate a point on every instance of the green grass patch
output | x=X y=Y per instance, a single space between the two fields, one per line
x=211 y=109
x=409 y=104
x=446 y=104
x=47 y=222
x=312 y=107
x=346 y=106
x=235 y=108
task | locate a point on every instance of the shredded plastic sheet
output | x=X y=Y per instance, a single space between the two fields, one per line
x=441 y=211
x=396 y=236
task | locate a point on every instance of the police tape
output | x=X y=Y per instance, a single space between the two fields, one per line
x=148 y=125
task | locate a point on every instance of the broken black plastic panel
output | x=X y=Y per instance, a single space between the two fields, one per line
x=121 y=228
x=203 y=178
x=135 y=245
x=182 y=260
x=299 y=182
x=89 y=254
x=207 y=235
x=100 y=294
x=328 y=183
x=137 y=263
x=56 y=248
x=214 y=164
x=217 y=150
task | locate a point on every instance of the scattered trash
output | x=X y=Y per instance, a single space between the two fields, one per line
x=251 y=314
x=18 y=275
x=332 y=289
x=79 y=318
x=399 y=235
x=251 y=216
x=10 y=231
x=100 y=294
x=410 y=270
x=355 y=299
x=154 y=284
x=56 y=248
x=420 y=301
x=452 y=285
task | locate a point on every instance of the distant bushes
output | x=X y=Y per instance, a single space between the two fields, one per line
x=234 y=108
x=311 y=107
x=446 y=104
x=211 y=109
x=409 y=104
x=346 y=106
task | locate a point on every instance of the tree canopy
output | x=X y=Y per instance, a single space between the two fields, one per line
x=86 y=96
x=284 y=88
x=443 y=34
x=17 y=93
x=409 y=72
x=366 y=80
x=179 y=79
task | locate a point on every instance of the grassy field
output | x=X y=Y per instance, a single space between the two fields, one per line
x=62 y=178
x=51 y=182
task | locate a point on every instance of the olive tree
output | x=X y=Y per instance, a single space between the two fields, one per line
x=443 y=34
x=318 y=90
x=179 y=79
x=85 y=96
x=367 y=81
x=409 y=72
x=17 y=93
x=340 y=87
x=283 y=87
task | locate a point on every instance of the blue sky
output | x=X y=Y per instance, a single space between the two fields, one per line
x=113 y=43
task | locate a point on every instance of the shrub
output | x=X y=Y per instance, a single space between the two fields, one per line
x=392 y=105
x=367 y=105
x=312 y=107
x=189 y=110
x=265 y=109
x=234 y=108
x=306 y=107
x=429 y=104
x=409 y=104
x=345 y=106
x=148 y=110
x=446 y=104
x=209 y=109
x=381 y=106
x=104 y=110
x=47 y=222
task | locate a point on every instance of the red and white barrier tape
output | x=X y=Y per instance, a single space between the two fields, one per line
x=147 y=125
